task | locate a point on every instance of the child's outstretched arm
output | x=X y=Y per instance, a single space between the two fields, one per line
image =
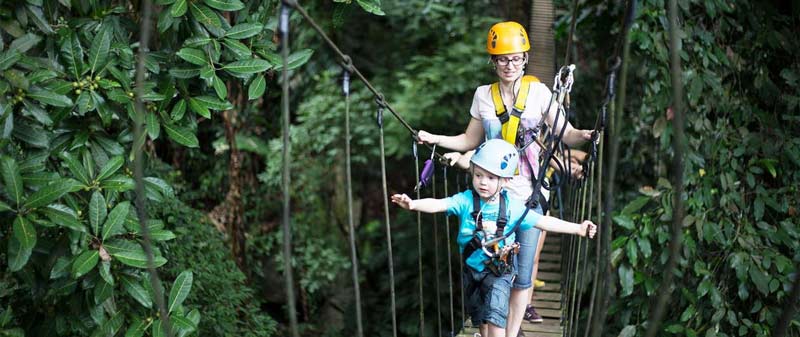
x=552 y=224
x=428 y=205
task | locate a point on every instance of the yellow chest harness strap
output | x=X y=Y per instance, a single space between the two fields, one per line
x=511 y=123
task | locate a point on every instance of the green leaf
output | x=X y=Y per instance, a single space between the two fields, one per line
x=644 y=247
x=161 y=235
x=207 y=18
x=152 y=125
x=72 y=53
x=760 y=279
x=635 y=205
x=198 y=107
x=178 y=110
x=137 y=328
x=157 y=329
x=133 y=288
x=50 y=98
x=34 y=135
x=97 y=211
x=105 y=271
x=624 y=221
x=212 y=103
x=37 y=16
x=239 y=50
x=247 y=67
x=131 y=253
x=182 y=324
x=64 y=216
x=193 y=56
x=178 y=8
x=631 y=252
x=180 y=289
x=60 y=268
x=4 y=207
x=12 y=180
x=102 y=292
x=119 y=183
x=76 y=168
x=225 y=5
x=24 y=232
x=181 y=135
x=17 y=255
x=112 y=166
x=98 y=53
x=25 y=42
x=628 y=331
x=84 y=263
x=297 y=59
x=219 y=87
x=256 y=87
x=51 y=192
x=184 y=72
x=626 y=279
x=115 y=219
x=8 y=58
x=244 y=30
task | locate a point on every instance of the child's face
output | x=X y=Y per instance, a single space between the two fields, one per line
x=485 y=183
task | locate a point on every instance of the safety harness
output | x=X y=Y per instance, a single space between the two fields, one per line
x=511 y=121
x=498 y=263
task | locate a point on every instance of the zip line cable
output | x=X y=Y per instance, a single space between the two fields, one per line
x=388 y=224
x=285 y=176
x=349 y=183
x=138 y=168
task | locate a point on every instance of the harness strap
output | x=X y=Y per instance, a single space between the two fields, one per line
x=502 y=219
x=511 y=123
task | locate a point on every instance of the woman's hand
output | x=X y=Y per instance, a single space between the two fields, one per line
x=452 y=158
x=426 y=137
x=588 y=228
x=403 y=201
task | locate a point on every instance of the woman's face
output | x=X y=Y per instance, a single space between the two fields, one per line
x=509 y=67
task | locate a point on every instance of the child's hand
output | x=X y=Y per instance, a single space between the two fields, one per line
x=402 y=200
x=588 y=228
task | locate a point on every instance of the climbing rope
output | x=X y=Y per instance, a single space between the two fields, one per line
x=436 y=258
x=419 y=245
x=286 y=177
x=379 y=119
x=349 y=184
x=138 y=168
x=449 y=263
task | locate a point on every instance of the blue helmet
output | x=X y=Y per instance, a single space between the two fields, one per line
x=498 y=157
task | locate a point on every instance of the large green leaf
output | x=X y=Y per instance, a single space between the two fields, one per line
x=240 y=50
x=372 y=6
x=207 y=18
x=25 y=42
x=198 y=107
x=296 y=59
x=193 y=56
x=8 y=58
x=64 y=216
x=182 y=325
x=247 y=67
x=119 y=183
x=181 y=135
x=98 y=53
x=137 y=328
x=219 y=87
x=72 y=53
x=213 y=103
x=60 y=268
x=51 y=192
x=115 y=219
x=133 y=288
x=178 y=8
x=50 y=98
x=32 y=134
x=102 y=292
x=131 y=253
x=24 y=232
x=4 y=207
x=626 y=279
x=17 y=255
x=244 y=30
x=85 y=262
x=180 y=289
x=97 y=211
x=178 y=110
x=12 y=180
x=76 y=168
x=105 y=270
x=225 y=5
x=152 y=125
x=256 y=87
x=37 y=16
x=112 y=166
x=157 y=329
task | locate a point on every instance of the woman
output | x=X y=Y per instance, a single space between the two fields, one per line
x=493 y=115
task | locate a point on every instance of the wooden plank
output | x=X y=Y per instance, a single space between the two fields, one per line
x=548 y=326
x=549 y=276
x=550 y=287
x=551 y=313
x=549 y=266
x=547 y=304
x=546 y=296
x=550 y=257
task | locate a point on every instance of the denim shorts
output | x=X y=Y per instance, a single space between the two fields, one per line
x=486 y=296
x=528 y=241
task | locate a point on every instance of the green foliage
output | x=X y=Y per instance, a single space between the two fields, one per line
x=740 y=237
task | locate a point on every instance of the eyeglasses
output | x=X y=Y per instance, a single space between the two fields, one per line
x=504 y=61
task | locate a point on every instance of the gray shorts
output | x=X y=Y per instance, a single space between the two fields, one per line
x=486 y=296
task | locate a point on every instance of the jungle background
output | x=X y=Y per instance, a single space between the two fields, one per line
x=70 y=247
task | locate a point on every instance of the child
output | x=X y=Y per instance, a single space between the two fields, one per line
x=486 y=236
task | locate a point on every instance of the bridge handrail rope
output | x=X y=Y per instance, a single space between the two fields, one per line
x=349 y=183
x=419 y=244
x=138 y=167
x=449 y=262
x=379 y=119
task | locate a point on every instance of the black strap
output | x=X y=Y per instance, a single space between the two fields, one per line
x=502 y=219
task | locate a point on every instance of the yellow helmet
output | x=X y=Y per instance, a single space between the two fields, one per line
x=507 y=38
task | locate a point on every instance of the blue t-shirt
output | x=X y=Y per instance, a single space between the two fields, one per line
x=461 y=205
